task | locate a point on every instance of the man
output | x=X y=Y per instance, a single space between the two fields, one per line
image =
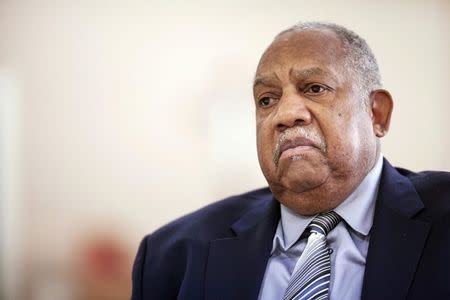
x=320 y=111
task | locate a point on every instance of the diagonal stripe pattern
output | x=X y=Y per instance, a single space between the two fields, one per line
x=312 y=278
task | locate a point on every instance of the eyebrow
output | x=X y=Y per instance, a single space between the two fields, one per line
x=306 y=73
x=267 y=80
x=273 y=80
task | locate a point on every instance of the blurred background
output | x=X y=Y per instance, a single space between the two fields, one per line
x=119 y=116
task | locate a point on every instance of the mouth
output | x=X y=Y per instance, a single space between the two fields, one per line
x=295 y=143
x=292 y=147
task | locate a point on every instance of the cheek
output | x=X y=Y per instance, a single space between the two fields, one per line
x=339 y=133
x=347 y=139
x=264 y=142
x=262 y=132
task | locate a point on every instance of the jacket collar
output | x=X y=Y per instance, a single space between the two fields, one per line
x=396 y=239
x=239 y=262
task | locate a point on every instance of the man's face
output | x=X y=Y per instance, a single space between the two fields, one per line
x=315 y=141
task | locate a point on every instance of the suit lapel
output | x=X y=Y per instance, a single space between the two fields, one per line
x=236 y=265
x=396 y=240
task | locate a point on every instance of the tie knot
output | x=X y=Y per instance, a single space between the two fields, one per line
x=324 y=223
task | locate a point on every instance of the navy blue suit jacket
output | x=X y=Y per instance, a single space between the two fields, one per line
x=221 y=251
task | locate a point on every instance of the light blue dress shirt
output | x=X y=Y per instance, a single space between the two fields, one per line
x=349 y=241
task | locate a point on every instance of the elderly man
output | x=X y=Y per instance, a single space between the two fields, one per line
x=337 y=221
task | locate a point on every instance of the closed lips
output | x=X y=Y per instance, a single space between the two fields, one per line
x=296 y=142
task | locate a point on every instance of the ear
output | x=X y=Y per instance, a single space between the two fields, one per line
x=381 y=106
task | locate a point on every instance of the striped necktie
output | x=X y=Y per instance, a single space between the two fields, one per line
x=311 y=280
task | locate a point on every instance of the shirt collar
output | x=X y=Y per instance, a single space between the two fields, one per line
x=357 y=211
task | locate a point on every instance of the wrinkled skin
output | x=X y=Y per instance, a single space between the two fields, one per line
x=315 y=139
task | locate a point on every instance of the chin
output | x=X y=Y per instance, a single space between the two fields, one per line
x=301 y=184
x=301 y=176
x=297 y=182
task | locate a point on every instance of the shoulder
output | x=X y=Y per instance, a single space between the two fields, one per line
x=429 y=181
x=213 y=220
x=166 y=256
x=433 y=187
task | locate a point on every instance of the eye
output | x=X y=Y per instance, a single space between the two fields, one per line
x=266 y=101
x=315 y=89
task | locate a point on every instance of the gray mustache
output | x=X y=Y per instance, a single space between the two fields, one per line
x=295 y=133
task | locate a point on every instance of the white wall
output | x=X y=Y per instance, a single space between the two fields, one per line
x=136 y=112
x=11 y=209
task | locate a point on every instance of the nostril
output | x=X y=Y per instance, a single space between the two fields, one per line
x=282 y=127
x=285 y=125
x=299 y=122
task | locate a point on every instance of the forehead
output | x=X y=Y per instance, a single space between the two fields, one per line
x=303 y=49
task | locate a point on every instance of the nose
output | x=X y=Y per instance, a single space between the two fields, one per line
x=292 y=111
